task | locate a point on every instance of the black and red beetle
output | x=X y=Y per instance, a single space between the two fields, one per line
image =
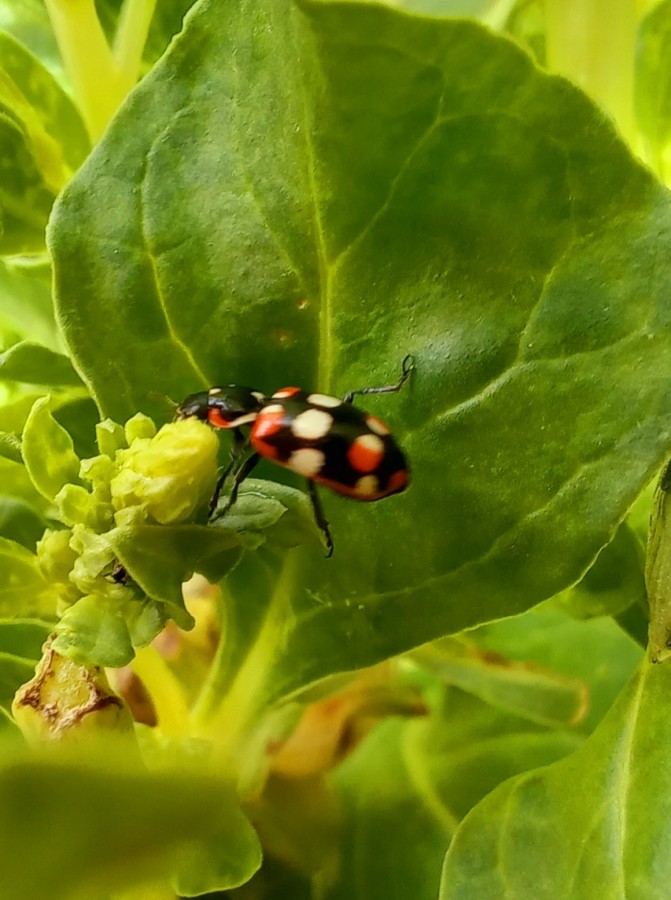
x=328 y=440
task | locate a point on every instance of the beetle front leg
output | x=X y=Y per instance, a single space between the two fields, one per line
x=242 y=473
x=237 y=451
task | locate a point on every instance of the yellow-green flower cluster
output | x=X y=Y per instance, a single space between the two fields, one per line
x=141 y=477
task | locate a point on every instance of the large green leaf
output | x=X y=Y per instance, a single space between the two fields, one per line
x=304 y=192
x=594 y=824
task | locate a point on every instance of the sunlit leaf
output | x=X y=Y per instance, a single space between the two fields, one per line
x=28 y=22
x=48 y=451
x=25 y=300
x=526 y=23
x=613 y=583
x=48 y=105
x=35 y=364
x=529 y=690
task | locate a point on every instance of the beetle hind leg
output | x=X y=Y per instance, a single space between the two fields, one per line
x=320 y=518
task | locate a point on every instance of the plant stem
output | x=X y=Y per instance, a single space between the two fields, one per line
x=216 y=682
x=131 y=35
x=100 y=78
x=592 y=42
x=165 y=691
x=87 y=58
x=235 y=712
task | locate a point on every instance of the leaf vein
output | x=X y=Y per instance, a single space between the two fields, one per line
x=153 y=262
x=326 y=348
x=393 y=186
x=273 y=233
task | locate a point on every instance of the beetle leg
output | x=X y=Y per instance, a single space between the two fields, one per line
x=406 y=368
x=320 y=518
x=242 y=473
x=237 y=451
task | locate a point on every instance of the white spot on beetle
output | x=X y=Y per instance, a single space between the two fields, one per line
x=247 y=419
x=367 y=485
x=371 y=442
x=307 y=461
x=273 y=408
x=259 y=396
x=377 y=425
x=283 y=394
x=312 y=424
x=324 y=400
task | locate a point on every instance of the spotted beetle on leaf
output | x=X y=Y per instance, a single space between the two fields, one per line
x=328 y=440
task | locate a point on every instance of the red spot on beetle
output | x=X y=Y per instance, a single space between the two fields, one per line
x=266 y=424
x=214 y=417
x=398 y=481
x=285 y=392
x=364 y=458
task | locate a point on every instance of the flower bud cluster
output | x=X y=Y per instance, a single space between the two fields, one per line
x=141 y=477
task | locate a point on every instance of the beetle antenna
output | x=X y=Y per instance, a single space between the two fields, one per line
x=155 y=397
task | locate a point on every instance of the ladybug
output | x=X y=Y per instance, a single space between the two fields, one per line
x=328 y=440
